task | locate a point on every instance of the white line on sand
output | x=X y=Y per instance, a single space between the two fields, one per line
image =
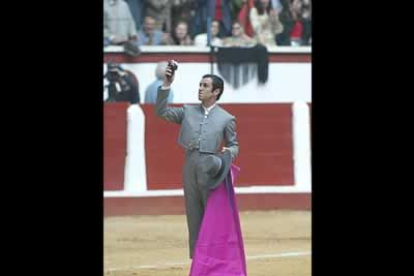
x=257 y=257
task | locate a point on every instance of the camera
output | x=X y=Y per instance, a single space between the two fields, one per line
x=112 y=76
x=173 y=65
x=114 y=72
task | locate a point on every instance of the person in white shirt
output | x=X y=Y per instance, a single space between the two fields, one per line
x=201 y=39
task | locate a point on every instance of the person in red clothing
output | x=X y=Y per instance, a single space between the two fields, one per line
x=291 y=19
x=206 y=10
x=297 y=30
x=296 y=33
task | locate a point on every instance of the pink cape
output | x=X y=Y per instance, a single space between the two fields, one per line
x=219 y=250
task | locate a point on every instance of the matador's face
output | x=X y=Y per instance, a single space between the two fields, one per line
x=205 y=90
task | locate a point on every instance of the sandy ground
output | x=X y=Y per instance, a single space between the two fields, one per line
x=277 y=243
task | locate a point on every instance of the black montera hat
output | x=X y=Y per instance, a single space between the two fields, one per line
x=214 y=169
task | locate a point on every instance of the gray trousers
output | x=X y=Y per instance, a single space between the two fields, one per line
x=194 y=194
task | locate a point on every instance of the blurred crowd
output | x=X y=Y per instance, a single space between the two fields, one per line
x=223 y=23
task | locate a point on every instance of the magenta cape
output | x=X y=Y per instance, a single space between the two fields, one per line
x=219 y=250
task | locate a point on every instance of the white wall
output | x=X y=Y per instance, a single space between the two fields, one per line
x=287 y=82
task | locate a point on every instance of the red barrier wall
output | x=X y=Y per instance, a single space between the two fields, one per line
x=266 y=143
x=266 y=146
x=114 y=136
x=164 y=157
x=264 y=132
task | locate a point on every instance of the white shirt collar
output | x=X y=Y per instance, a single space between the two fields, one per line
x=208 y=109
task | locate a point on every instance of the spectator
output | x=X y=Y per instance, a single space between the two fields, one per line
x=122 y=85
x=183 y=10
x=119 y=26
x=306 y=22
x=239 y=37
x=149 y=35
x=297 y=30
x=235 y=7
x=276 y=5
x=137 y=8
x=265 y=22
x=296 y=19
x=244 y=17
x=286 y=18
x=152 y=89
x=160 y=10
x=201 y=39
x=215 y=9
x=180 y=35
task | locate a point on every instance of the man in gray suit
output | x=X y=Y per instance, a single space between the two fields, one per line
x=204 y=128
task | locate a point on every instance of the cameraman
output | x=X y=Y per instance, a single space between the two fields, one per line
x=123 y=86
